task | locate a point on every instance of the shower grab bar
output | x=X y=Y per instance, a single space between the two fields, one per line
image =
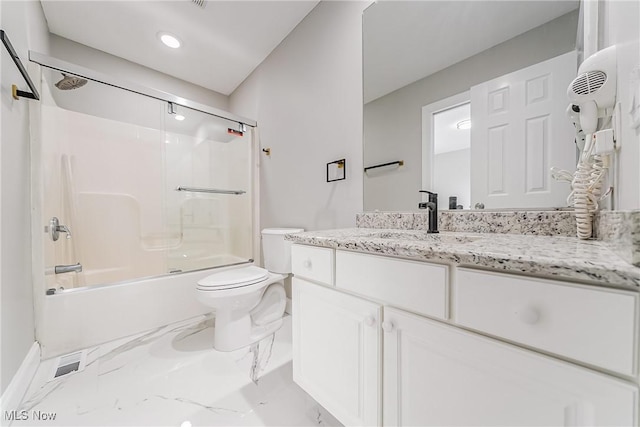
x=16 y=60
x=209 y=190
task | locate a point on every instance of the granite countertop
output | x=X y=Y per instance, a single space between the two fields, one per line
x=551 y=256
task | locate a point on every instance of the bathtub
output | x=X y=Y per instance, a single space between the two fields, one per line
x=79 y=318
x=107 y=276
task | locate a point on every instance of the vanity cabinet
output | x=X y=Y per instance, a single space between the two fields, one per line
x=388 y=341
x=336 y=352
x=437 y=374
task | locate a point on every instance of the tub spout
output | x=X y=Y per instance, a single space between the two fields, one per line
x=68 y=268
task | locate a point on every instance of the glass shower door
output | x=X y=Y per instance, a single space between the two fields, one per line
x=112 y=161
x=209 y=190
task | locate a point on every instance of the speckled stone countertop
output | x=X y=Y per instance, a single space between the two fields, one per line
x=548 y=256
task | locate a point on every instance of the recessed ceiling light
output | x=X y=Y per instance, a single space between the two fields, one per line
x=179 y=117
x=169 y=40
x=464 y=124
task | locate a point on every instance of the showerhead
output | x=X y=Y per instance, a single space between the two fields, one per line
x=70 y=82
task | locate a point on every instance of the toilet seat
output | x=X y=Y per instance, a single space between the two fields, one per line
x=233 y=279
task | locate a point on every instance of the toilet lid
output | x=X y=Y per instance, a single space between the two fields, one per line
x=234 y=278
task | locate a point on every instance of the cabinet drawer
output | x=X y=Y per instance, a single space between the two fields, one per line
x=415 y=286
x=596 y=326
x=313 y=263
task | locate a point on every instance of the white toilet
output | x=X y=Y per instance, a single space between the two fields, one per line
x=250 y=301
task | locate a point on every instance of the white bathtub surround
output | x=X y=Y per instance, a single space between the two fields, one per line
x=620 y=230
x=530 y=222
x=551 y=256
x=85 y=176
x=171 y=375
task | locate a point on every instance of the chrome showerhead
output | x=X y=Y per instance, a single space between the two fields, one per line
x=70 y=82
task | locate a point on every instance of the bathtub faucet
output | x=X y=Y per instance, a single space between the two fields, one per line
x=55 y=228
x=68 y=268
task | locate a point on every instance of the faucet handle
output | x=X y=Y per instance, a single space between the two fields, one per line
x=54 y=229
x=65 y=229
x=433 y=197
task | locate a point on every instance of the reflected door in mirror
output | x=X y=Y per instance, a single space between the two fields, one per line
x=520 y=130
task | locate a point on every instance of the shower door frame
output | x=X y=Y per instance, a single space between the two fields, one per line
x=38 y=261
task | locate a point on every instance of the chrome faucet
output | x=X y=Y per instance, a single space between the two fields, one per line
x=54 y=229
x=68 y=268
x=432 y=206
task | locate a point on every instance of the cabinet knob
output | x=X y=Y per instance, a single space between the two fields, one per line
x=306 y=263
x=528 y=315
x=387 y=326
x=369 y=320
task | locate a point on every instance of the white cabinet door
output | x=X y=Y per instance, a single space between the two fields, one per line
x=519 y=131
x=435 y=374
x=336 y=352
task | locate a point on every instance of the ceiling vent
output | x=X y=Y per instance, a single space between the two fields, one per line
x=200 y=3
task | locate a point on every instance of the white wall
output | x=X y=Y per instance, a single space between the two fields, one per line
x=98 y=60
x=307 y=99
x=25 y=25
x=393 y=129
x=452 y=177
x=619 y=25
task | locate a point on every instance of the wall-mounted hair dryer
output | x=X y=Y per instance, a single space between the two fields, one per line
x=593 y=96
x=594 y=90
x=573 y=112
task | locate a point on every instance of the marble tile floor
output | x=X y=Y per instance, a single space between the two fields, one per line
x=171 y=376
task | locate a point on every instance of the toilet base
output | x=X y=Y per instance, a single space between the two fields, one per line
x=261 y=332
x=237 y=328
x=232 y=334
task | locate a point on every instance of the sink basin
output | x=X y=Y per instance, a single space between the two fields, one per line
x=424 y=236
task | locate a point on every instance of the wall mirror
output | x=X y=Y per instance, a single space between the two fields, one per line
x=470 y=97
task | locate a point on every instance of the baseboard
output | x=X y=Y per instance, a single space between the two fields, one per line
x=288 y=307
x=20 y=382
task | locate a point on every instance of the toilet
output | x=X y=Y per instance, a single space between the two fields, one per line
x=249 y=302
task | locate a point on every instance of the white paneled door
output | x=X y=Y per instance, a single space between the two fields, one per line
x=438 y=375
x=519 y=131
x=336 y=351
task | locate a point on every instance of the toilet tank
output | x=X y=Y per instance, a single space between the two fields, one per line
x=276 y=250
